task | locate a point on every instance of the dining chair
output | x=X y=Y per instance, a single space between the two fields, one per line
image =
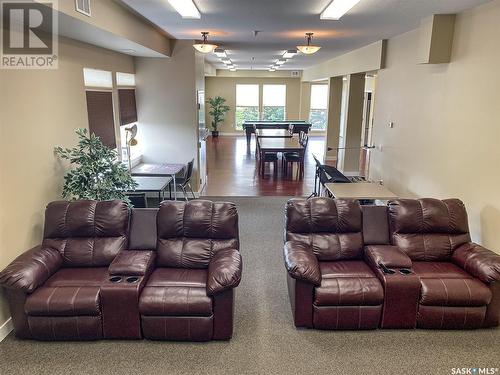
x=266 y=157
x=297 y=157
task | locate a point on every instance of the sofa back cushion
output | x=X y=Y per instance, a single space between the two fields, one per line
x=428 y=229
x=332 y=227
x=190 y=233
x=86 y=233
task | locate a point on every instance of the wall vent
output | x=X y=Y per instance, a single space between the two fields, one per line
x=83 y=6
x=295 y=73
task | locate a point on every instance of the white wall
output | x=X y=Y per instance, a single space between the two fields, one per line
x=166 y=104
x=445 y=142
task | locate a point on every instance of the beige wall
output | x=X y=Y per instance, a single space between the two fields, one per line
x=166 y=104
x=226 y=87
x=40 y=109
x=117 y=19
x=365 y=59
x=445 y=139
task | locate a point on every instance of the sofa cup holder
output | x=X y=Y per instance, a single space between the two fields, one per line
x=116 y=279
x=386 y=270
x=405 y=271
x=132 y=279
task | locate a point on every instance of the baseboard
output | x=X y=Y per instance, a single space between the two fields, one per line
x=6 y=328
x=231 y=134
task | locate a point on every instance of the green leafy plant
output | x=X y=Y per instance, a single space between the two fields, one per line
x=97 y=173
x=218 y=110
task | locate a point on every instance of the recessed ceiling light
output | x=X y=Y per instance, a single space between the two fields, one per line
x=309 y=49
x=220 y=52
x=290 y=53
x=185 y=8
x=337 y=9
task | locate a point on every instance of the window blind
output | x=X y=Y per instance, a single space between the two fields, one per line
x=101 y=119
x=128 y=109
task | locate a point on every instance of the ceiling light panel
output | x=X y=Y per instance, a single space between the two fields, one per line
x=289 y=54
x=220 y=53
x=337 y=9
x=185 y=8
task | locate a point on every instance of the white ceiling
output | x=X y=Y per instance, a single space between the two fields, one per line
x=283 y=23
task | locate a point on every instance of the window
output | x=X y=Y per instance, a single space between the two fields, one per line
x=97 y=78
x=247 y=104
x=99 y=95
x=273 y=102
x=101 y=119
x=319 y=107
x=125 y=79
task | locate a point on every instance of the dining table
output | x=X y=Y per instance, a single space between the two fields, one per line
x=280 y=144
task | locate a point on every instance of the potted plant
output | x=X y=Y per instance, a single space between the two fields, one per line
x=97 y=173
x=218 y=110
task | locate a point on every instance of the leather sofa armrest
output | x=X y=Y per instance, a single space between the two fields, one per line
x=389 y=256
x=132 y=263
x=31 y=269
x=224 y=271
x=301 y=263
x=478 y=261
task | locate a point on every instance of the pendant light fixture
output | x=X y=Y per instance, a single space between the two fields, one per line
x=204 y=47
x=309 y=49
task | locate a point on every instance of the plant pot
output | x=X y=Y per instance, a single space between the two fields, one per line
x=215 y=133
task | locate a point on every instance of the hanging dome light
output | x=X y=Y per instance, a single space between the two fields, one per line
x=309 y=49
x=204 y=47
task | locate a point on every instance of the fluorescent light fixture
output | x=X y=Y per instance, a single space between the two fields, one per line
x=280 y=62
x=289 y=54
x=337 y=9
x=220 y=53
x=185 y=8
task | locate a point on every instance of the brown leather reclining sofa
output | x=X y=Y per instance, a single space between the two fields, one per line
x=104 y=271
x=410 y=264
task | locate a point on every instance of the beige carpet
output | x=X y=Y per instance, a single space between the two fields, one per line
x=265 y=340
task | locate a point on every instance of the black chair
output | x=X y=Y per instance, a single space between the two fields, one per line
x=326 y=174
x=138 y=200
x=185 y=181
x=266 y=157
x=297 y=157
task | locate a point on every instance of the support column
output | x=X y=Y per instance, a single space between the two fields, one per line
x=353 y=123
x=333 y=125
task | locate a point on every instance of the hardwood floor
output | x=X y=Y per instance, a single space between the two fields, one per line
x=232 y=170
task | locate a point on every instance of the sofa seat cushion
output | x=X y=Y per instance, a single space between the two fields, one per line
x=348 y=268
x=436 y=270
x=454 y=292
x=179 y=277
x=175 y=301
x=75 y=277
x=348 y=283
x=64 y=301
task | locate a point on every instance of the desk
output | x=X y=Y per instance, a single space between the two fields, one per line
x=152 y=184
x=273 y=133
x=159 y=170
x=360 y=191
x=279 y=145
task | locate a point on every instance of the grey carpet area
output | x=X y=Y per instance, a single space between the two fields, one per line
x=265 y=340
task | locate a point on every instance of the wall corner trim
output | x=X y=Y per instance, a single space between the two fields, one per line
x=6 y=328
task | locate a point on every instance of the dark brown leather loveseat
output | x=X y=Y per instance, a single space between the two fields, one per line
x=407 y=265
x=98 y=262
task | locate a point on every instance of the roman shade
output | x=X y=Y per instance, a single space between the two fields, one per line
x=101 y=119
x=128 y=109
